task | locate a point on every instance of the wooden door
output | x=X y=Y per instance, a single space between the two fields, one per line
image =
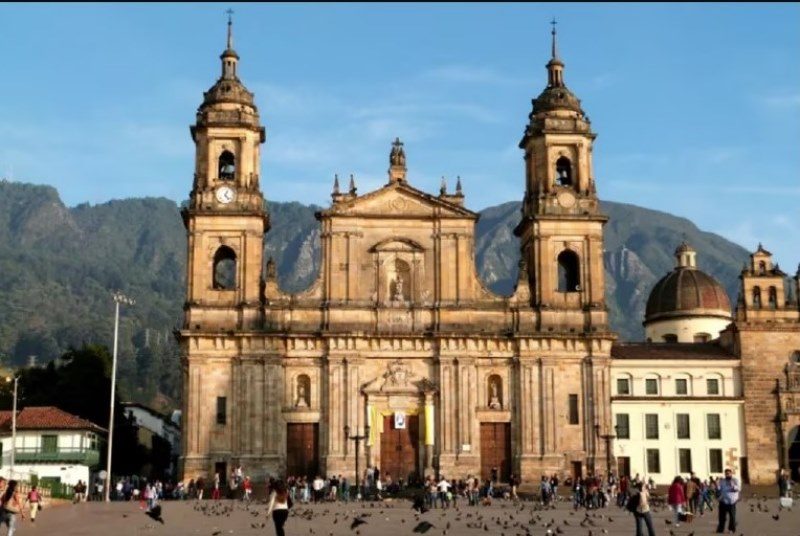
x=623 y=466
x=302 y=449
x=400 y=448
x=495 y=450
x=577 y=470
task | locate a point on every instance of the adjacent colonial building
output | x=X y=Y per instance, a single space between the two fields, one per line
x=51 y=446
x=398 y=339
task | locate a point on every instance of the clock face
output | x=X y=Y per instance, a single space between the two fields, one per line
x=225 y=194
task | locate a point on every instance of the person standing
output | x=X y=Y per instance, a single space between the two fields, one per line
x=728 y=490
x=215 y=491
x=642 y=513
x=279 y=506
x=783 y=484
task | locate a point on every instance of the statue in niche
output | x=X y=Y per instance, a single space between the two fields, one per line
x=398 y=289
x=494 y=394
x=302 y=394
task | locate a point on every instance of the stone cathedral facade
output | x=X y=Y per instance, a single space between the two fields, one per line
x=397 y=339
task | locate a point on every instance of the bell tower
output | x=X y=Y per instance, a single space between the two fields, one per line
x=561 y=231
x=226 y=217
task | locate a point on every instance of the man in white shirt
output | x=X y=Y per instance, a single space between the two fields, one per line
x=443 y=486
x=318 y=484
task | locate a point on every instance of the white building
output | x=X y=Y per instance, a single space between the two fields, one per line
x=677 y=400
x=152 y=424
x=51 y=445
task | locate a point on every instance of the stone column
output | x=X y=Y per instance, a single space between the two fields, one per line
x=430 y=432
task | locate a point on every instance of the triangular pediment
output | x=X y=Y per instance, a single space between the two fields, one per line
x=399 y=200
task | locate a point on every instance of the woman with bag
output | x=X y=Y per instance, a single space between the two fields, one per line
x=279 y=506
x=12 y=507
x=676 y=498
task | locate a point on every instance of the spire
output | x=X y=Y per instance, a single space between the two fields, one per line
x=458 y=185
x=230 y=29
x=336 y=184
x=554 y=52
x=229 y=57
x=555 y=67
x=397 y=162
x=352 y=185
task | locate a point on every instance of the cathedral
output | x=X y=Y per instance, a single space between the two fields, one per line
x=398 y=356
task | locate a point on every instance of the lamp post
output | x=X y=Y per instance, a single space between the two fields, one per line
x=15 y=379
x=119 y=298
x=357 y=439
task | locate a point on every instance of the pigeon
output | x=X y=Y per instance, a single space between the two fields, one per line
x=155 y=513
x=423 y=527
x=356 y=522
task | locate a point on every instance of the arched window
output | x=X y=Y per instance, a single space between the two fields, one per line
x=568 y=272
x=227 y=166
x=224 y=269
x=762 y=267
x=494 y=386
x=757 y=297
x=773 y=298
x=563 y=172
x=670 y=337
x=302 y=397
x=400 y=283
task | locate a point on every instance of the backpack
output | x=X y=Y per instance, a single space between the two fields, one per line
x=633 y=503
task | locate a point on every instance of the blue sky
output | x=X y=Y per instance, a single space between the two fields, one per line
x=697 y=106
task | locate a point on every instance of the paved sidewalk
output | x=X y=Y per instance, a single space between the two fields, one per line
x=395 y=519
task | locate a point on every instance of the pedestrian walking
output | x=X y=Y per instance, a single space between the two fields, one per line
x=676 y=498
x=279 y=504
x=728 y=490
x=34 y=499
x=12 y=507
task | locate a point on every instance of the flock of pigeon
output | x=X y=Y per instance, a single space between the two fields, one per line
x=523 y=518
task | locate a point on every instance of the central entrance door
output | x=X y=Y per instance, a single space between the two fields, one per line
x=302 y=448
x=400 y=448
x=496 y=450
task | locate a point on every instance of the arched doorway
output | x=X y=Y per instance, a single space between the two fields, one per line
x=794 y=453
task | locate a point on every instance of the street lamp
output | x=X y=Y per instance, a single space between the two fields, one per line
x=15 y=379
x=357 y=439
x=119 y=298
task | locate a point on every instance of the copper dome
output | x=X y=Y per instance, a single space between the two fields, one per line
x=687 y=291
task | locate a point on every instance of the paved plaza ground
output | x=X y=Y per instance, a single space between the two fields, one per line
x=395 y=519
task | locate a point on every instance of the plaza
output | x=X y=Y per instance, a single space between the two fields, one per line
x=396 y=517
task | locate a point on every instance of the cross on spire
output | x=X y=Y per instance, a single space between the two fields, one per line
x=553 y=32
x=230 y=28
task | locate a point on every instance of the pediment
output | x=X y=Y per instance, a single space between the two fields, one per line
x=396 y=244
x=399 y=200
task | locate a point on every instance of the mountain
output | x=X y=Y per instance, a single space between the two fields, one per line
x=58 y=266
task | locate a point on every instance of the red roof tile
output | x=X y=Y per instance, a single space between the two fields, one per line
x=46 y=418
x=646 y=350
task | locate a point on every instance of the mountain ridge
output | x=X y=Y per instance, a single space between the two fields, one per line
x=59 y=265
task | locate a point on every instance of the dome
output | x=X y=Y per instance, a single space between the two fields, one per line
x=556 y=98
x=687 y=291
x=227 y=90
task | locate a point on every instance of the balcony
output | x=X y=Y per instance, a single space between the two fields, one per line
x=82 y=456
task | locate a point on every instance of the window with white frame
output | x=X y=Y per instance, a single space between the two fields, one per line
x=651 y=386
x=714 y=426
x=624 y=386
x=651 y=426
x=713 y=387
x=681 y=386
